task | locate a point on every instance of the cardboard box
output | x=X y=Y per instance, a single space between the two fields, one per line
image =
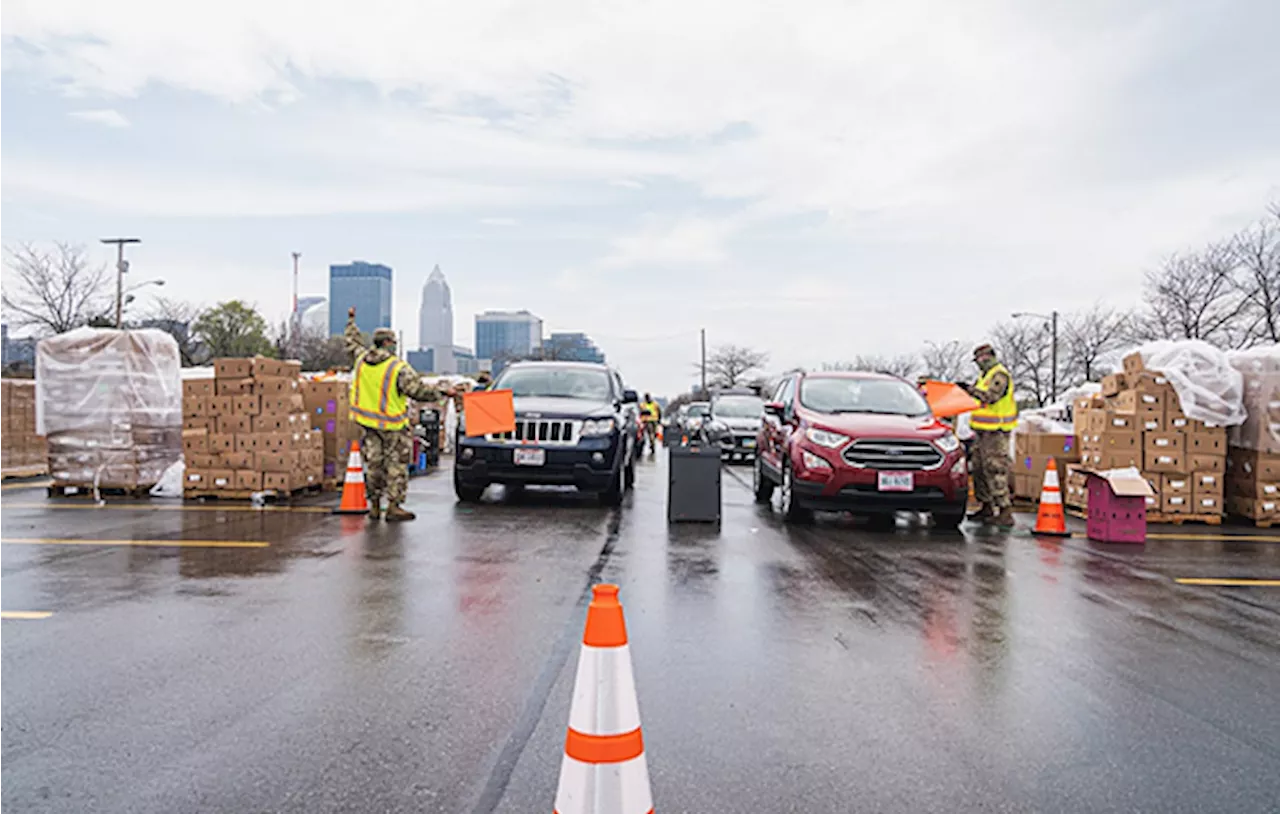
x=218 y=405
x=282 y=404
x=1155 y=442
x=270 y=422
x=274 y=442
x=1254 y=508
x=1133 y=363
x=1164 y=462
x=273 y=462
x=1175 y=485
x=233 y=424
x=1151 y=423
x=1119 y=441
x=1095 y=422
x=1207 y=442
x=1141 y=403
x=1114 y=422
x=1112 y=459
x=1175 y=504
x=249 y=479
x=291 y=368
x=197 y=388
x=195 y=442
x=1206 y=504
x=232 y=368
x=201 y=460
x=222 y=479
x=1255 y=465
x=274 y=385
x=200 y=423
x=267 y=368
x=1261 y=490
x=1037 y=443
x=1199 y=491
x=1113 y=384
x=249 y=442
x=279 y=481
x=1208 y=482
x=1261 y=428
x=195 y=478
x=222 y=442
x=234 y=387
x=1207 y=463
x=249 y=404
x=240 y=459
x=194 y=407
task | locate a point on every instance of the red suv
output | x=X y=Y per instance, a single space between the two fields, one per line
x=865 y=443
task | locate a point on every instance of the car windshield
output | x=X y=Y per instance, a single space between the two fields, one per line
x=841 y=395
x=739 y=407
x=699 y=410
x=555 y=382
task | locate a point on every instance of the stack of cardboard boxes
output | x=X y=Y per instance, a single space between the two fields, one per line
x=1138 y=421
x=1253 y=470
x=247 y=430
x=1032 y=452
x=326 y=402
x=24 y=452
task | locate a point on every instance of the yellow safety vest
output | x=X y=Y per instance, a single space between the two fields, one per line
x=375 y=400
x=650 y=409
x=1001 y=415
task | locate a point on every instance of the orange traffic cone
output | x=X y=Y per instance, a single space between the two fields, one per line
x=1049 y=517
x=604 y=770
x=354 y=499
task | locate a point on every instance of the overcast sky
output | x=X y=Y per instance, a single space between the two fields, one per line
x=817 y=179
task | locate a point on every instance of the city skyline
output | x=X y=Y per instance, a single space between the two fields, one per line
x=365 y=286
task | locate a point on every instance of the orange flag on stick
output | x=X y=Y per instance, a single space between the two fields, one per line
x=489 y=411
x=947 y=400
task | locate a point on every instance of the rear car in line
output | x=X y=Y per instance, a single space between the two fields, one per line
x=865 y=443
x=737 y=417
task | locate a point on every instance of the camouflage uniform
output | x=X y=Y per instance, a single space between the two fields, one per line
x=387 y=452
x=990 y=460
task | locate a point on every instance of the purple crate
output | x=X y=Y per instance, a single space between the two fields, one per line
x=1115 y=518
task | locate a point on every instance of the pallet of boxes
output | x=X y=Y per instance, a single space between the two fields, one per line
x=327 y=404
x=25 y=453
x=1137 y=421
x=1253 y=458
x=247 y=431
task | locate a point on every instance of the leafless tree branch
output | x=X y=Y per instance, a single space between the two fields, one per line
x=54 y=291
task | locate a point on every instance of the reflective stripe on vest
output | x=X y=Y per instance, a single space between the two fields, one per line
x=1001 y=415
x=376 y=402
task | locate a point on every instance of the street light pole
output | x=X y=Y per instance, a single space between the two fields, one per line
x=121 y=268
x=297 y=318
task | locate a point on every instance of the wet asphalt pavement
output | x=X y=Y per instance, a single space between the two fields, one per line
x=321 y=664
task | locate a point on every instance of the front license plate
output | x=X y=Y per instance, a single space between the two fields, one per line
x=749 y=443
x=896 y=482
x=531 y=457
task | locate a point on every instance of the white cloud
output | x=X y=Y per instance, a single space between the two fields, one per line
x=499 y=221
x=107 y=118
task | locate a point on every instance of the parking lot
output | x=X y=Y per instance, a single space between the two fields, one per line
x=165 y=657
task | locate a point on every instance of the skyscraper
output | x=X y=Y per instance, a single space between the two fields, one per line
x=506 y=334
x=367 y=286
x=435 y=318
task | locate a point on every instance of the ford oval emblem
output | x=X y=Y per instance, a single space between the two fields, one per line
x=894 y=451
x=532 y=415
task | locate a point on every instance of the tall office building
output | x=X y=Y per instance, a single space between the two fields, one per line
x=367 y=286
x=506 y=335
x=435 y=317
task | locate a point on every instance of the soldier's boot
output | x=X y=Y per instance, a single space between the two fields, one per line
x=397 y=513
x=983 y=513
x=1004 y=520
x=375 y=507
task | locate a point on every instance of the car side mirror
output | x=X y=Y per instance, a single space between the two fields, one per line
x=774 y=408
x=630 y=397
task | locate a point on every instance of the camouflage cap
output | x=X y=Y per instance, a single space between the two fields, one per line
x=383 y=335
x=984 y=348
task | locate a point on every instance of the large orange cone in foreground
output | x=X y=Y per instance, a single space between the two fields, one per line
x=1049 y=517
x=604 y=771
x=354 y=499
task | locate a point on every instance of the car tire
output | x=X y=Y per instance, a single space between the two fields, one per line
x=629 y=475
x=613 y=495
x=882 y=521
x=467 y=492
x=792 y=512
x=948 y=520
x=761 y=485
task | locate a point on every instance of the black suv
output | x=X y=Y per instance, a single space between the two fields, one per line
x=576 y=425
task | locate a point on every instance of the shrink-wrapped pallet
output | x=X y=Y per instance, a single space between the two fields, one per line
x=110 y=403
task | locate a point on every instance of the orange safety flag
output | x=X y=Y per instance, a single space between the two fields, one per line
x=489 y=411
x=948 y=400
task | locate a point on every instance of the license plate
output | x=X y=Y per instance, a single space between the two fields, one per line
x=531 y=457
x=749 y=443
x=896 y=482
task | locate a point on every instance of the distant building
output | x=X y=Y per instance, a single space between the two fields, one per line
x=435 y=316
x=465 y=361
x=16 y=351
x=313 y=312
x=367 y=286
x=505 y=335
x=571 y=347
x=423 y=361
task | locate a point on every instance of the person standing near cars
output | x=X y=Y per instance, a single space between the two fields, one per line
x=381 y=386
x=991 y=424
x=650 y=415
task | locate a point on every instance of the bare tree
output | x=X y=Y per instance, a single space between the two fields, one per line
x=55 y=291
x=730 y=365
x=1196 y=296
x=177 y=319
x=949 y=362
x=1258 y=249
x=905 y=365
x=1026 y=348
x=1087 y=338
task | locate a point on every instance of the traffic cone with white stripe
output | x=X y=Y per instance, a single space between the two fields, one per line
x=354 y=499
x=1049 y=517
x=604 y=771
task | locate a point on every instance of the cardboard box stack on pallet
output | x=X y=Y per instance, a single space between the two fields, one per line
x=247 y=430
x=1138 y=421
x=24 y=452
x=1032 y=452
x=326 y=401
x=1253 y=469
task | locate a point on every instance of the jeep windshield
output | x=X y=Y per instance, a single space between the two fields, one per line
x=876 y=396
x=738 y=407
x=555 y=382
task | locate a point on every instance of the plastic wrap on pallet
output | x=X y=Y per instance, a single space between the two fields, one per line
x=110 y=403
x=1260 y=369
x=1208 y=387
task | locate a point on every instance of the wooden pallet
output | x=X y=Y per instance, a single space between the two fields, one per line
x=1264 y=523
x=1179 y=519
x=112 y=490
x=24 y=471
x=269 y=495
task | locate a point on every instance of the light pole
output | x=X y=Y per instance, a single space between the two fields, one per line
x=121 y=268
x=1053 y=376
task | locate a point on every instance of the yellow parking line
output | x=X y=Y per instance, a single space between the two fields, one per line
x=154 y=543
x=25 y=614
x=143 y=507
x=1253 y=583
x=1206 y=538
x=26 y=485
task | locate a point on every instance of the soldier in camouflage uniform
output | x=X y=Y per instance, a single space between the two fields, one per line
x=992 y=424
x=387 y=453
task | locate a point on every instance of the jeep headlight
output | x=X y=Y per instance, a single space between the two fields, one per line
x=948 y=443
x=597 y=427
x=825 y=438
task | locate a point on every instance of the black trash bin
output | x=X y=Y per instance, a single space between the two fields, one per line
x=693 y=483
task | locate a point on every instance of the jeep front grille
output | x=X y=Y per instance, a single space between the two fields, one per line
x=893 y=454
x=541 y=431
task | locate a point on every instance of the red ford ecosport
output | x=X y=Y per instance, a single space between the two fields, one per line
x=865 y=443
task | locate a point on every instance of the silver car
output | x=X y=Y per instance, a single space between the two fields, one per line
x=737 y=419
